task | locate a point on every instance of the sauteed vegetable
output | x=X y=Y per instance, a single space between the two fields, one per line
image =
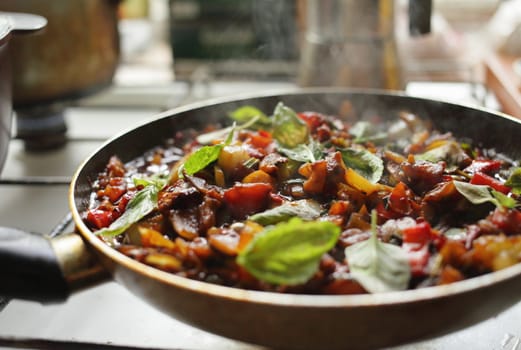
x=311 y=203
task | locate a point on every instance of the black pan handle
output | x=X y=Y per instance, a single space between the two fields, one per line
x=34 y=267
x=29 y=268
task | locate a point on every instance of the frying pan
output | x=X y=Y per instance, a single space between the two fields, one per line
x=35 y=268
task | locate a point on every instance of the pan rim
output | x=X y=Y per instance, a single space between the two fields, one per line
x=273 y=298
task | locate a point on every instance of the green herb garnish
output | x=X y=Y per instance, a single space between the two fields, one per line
x=364 y=163
x=364 y=131
x=514 y=181
x=479 y=194
x=205 y=155
x=290 y=252
x=288 y=129
x=450 y=152
x=305 y=153
x=143 y=203
x=246 y=114
x=306 y=209
x=378 y=266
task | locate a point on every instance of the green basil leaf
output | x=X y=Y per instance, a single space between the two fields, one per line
x=228 y=132
x=206 y=155
x=201 y=158
x=479 y=194
x=305 y=153
x=306 y=209
x=246 y=114
x=476 y=194
x=360 y=129
x=364 y=131
x=450 y=152
x=159 y=181
x=504 y=200
x=378 y=266
x=288 y=129
x=209 y=137
x=143 y=203
x=514 y=181
x=290 y=252
x=364 y=163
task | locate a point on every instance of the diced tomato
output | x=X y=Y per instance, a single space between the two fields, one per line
x=260 y=139
x=484 y=179
x=416 y=240
x=114 y=192
x=419 y=234
x=312 y=119
x=246 y=199
x=115 y=188
x=509 y=221
x=99 y=218
x=123 y=202
x=341 y=207
x=418 y=259
x=323 y=132
x=385 y=213
x=276 y=199
x=483 y=166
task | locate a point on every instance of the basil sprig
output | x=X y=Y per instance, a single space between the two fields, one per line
x=378 y=266
x=289 y=253
x=305 y=153
x=450 y=152
x=246 y=114
x=205 y=155
x=306 y=209
x=143 y=203
x=364 y=163
x=364 y=131
x=479 y=194
x=288 y=129
x=514 y=181
x=201 y=158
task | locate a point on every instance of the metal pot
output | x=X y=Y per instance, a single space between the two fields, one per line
x=80 y=46
x=10 y=23
x=30 y=268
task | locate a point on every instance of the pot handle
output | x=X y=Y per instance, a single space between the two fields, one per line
x=420 y=12
x=24 y=22
x=34 y=267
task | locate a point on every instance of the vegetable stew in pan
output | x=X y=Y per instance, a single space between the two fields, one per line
x=302 y=202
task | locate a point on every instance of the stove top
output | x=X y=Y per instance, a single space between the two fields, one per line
x=33 y=189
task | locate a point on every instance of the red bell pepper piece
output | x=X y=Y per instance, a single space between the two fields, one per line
x=313 y=119
x=246 y=199
x=420 y=234
x=99 y=218
x=509 y=221
x=385 y=213
x=260 y=139
x=483 y=166
x=416 y=241
x=418 y=260
x=484 y=179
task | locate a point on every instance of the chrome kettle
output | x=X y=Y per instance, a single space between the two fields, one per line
x=352 y=42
